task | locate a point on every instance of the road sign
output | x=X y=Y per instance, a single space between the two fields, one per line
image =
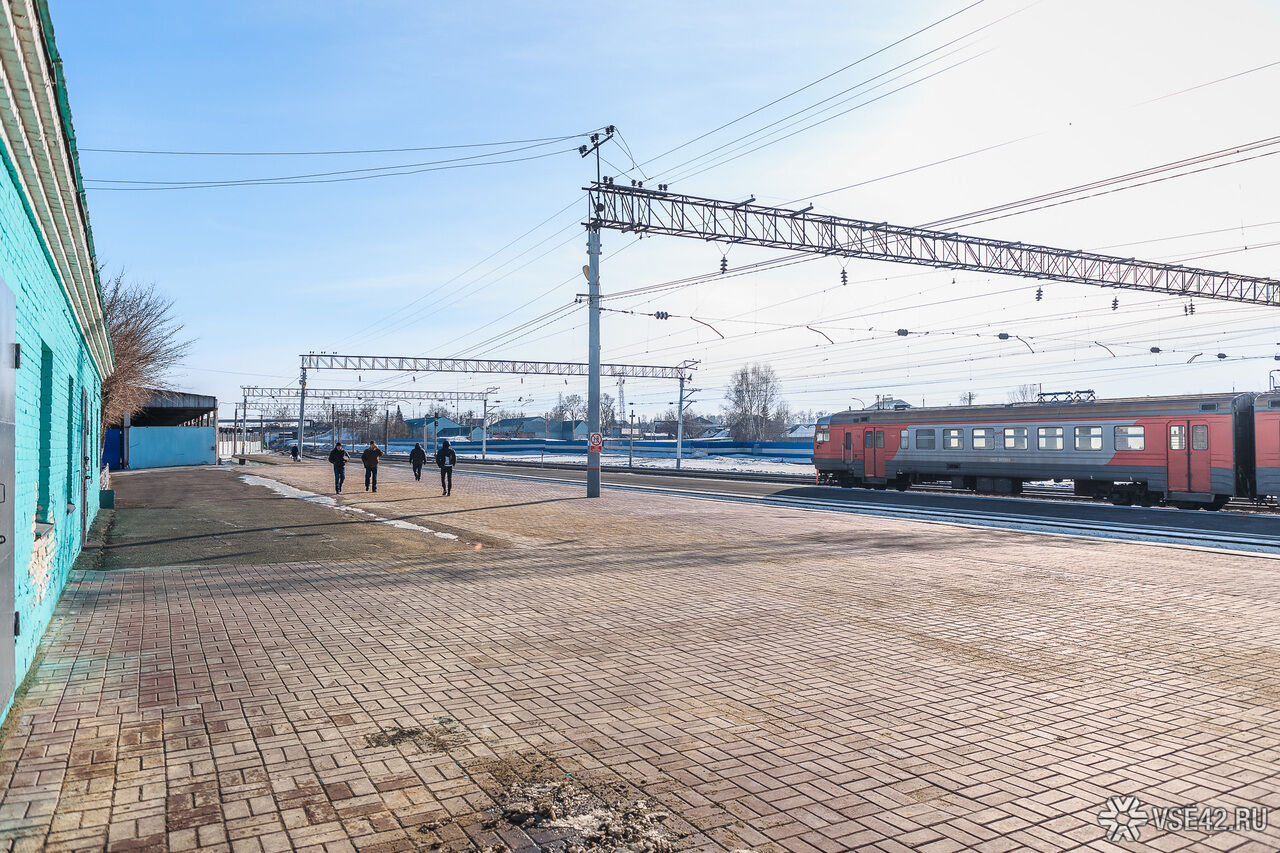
x=595 y=443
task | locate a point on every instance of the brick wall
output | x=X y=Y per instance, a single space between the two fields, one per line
x=44 y=319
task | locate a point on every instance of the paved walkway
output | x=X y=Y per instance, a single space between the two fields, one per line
x=639 y=672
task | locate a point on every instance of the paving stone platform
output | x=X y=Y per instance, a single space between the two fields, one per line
x=769 y=679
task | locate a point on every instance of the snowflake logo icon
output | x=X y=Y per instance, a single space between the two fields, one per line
x=1123 y=818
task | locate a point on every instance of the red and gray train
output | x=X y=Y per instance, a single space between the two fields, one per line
x=1186 y=451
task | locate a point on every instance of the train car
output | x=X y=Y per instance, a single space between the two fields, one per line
x=1186 y=451
x=1266 y=420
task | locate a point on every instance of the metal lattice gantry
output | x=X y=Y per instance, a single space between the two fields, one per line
x=356 y=395
x=413 y=364
x=322 y=361
x=647 y=211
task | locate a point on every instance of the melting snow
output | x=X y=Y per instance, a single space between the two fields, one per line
x=325 y=500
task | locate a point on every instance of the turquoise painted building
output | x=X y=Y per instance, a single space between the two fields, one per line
x=54 y=347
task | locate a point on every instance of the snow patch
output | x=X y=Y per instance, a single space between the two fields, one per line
x=288 y=491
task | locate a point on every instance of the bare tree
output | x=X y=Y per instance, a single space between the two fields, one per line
x=755 y=410
x=967 y=398
x=1027 y=393
x=145 y=343
x=608 y=412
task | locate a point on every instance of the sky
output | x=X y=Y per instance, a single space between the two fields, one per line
x=788 y=103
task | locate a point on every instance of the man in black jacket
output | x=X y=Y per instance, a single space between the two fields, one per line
x=417 y=458
x=338 y=459
x=370 y=460
x=445 y=457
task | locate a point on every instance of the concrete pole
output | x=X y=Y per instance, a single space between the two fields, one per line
x=435 y=434
x=484 y=429
x=680 y=425
x=244 y=426
x=333 y=424
x=302 y=408
x=593 y=356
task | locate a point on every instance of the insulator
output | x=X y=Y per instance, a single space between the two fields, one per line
x=844 y=276
x=724 y=265
x=1155 y=350
x=1115 y=303
x=902 y=333
x=1222 y=355
x=1039 y=293
x=1191 y=308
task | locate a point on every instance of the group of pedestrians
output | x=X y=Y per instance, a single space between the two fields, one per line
x=445 y=460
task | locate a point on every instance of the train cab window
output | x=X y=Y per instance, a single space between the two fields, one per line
x=1131 y=438
x=1050 y=438
x=1089 y=438
x=867 y=438
x=822 y=434
x=879 y=438
x=952 y=439
x=902 y=439
x=1177 y=437
x=926 y=439
x=1200 y=437
x=848 y=441
x=1015 y=438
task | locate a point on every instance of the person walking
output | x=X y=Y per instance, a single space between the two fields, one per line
x=338 y=459
x=293 y=451
x=417 y=458
x=445 y=458
x=370 y=460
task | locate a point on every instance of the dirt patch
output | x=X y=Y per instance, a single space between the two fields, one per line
x=441 y=737
x=539 y=806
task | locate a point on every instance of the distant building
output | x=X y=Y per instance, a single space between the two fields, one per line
x=54 y=347
x=437 y=428
x=799 y=431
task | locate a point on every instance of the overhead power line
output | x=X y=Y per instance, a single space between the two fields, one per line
x=543 y=139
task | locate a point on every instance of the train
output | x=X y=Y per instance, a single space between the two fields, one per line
x=1188 y=451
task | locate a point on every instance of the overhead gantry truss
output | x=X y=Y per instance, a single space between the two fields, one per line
x=322 y=361
x=353 y=395
x=644 y=211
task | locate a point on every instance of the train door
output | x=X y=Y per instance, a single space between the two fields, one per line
x=877 y=463
x=868 y=453
x=1189 y=465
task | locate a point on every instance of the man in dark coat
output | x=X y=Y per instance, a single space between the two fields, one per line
x=417 y=458
x=445 y=458
x=370 y=460
x=338 y=459
x=293 y=451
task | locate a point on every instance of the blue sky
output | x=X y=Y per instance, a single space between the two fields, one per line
x=260 y=274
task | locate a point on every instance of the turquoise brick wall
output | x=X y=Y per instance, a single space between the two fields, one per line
x=44 y=319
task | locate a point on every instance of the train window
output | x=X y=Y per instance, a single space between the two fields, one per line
x=952 y=439
x=902 y=440
x=1208 y=407
x=823 y=434
x=866 y=438
x=1200 y=437
x=879 y=438
x=1177 y=437
x=1050 y=438
x=1089 y=438
x=848 y=441
x=1015 y=438
x=1131 y=438
x=983 y=438
x=925 y=439
x=1273 y=404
